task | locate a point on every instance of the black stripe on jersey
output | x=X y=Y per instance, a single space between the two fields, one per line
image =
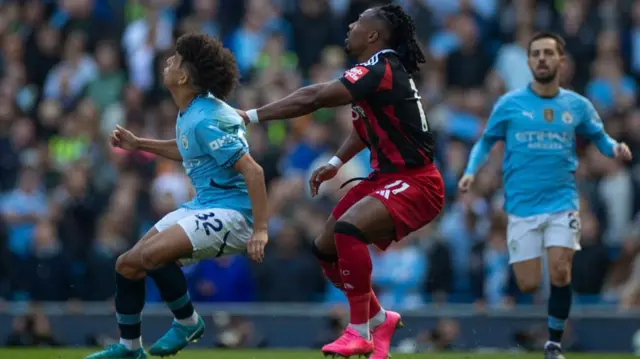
x=410 y=156
x=421 y=141
x=383 y=161
x=214 y=184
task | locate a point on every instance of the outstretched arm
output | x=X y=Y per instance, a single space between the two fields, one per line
x=303 y=101
x=163 y=148
x=356 y=83
x=125 y=139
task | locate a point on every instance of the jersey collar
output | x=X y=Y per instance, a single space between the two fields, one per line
x=539 y=95
x=193 y=100
x=373 y=59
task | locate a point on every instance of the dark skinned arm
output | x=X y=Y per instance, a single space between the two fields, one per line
x=350 y=147
x=254 y=177
x=163 y=148
x=306 y=100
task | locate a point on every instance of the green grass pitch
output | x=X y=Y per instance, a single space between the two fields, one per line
x=272 y=354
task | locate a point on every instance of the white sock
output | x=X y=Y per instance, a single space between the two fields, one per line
x=132 y=344
x=362 y=329
x=378 y=319
x=191 y=321
x=549 y=342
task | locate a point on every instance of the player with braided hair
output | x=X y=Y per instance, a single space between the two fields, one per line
x=402 y=36
x=403 y=193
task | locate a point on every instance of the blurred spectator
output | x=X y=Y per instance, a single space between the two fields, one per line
x=51 y=279
x=398 y=274
x=107 y=87
x=468 y=65
x=66 y=80
x=288 y=261
x=236 y=332
x=440 y=339
x=591 y=264
x=21 y=210
x=32 y=330
x=224 y=280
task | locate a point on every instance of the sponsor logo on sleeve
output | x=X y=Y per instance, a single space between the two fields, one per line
x=354 y=74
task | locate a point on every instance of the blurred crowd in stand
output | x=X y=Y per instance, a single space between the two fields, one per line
x=70 y=70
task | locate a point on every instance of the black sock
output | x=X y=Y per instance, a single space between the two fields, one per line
x=130 y=296
x=173 y=289
x=559 y=308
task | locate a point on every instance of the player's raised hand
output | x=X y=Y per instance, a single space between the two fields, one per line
x=123 y=138
x=321 y=174
x=622 y=152
x=466 y=182
x=256 y=244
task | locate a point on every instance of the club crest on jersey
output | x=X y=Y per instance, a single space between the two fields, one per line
x=185 y=143
x=567 y=118
x=548 y=114
x=354 y=74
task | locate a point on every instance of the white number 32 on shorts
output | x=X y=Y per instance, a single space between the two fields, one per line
x=213 y=232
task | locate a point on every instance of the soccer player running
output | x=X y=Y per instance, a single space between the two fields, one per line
x=405 y=190
x=538 y=125
x=228 y=214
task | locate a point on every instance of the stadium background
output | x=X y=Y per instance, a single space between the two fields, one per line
x=73 y=69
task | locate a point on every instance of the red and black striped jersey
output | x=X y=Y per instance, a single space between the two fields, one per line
x=388 y=115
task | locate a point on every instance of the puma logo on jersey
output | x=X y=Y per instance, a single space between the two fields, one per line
x=354 y=74
x=527 y=114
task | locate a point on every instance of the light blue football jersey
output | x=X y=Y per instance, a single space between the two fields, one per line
x=211 y=137
x=540 y=148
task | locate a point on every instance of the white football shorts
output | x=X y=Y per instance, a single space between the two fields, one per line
x=528 y=237
x=213 y=232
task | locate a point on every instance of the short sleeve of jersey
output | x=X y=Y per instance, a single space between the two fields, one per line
x=225 y=146
x=363 y=80
x=497 y=125
x=590 y=122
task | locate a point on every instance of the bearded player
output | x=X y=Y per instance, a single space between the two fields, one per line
x=228 y=214
x=539 y=124
x=405 y=190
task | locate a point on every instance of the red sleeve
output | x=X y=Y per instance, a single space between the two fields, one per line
x=362 y=80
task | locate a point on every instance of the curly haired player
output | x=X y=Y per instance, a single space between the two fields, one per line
x=405 y=190
x=228 y=214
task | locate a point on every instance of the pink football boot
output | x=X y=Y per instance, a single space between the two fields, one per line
x=350 y=343
x=383 y=334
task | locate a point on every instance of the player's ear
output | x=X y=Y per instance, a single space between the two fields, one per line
x=373 y=36
x=184 y=78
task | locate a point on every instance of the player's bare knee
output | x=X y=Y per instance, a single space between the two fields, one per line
x=149 y=259
x=121 y=263
x=325 y=244
x=126 y=267
x=560 y=273
x=528 y=284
